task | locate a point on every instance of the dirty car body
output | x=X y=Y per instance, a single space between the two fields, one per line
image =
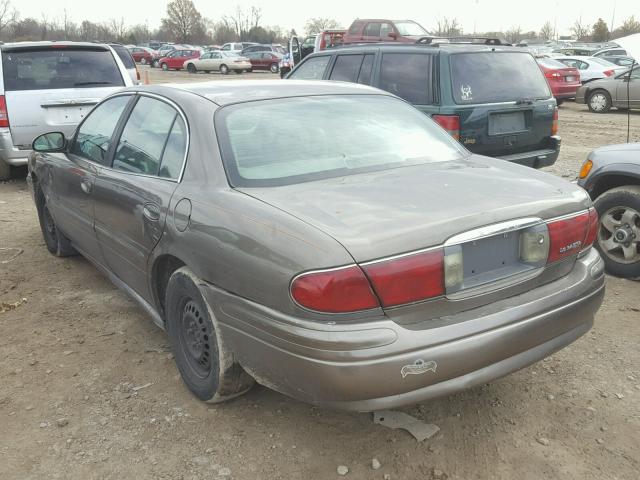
x=335 y=274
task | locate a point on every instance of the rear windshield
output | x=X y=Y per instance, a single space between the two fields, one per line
x=326 y=136
x=55 y=68
x=550 y=63
x=125 y=56
x=488 y=77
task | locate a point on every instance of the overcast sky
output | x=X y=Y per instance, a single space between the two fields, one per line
x=488 y=15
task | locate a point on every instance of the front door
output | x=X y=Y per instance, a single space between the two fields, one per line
x=133 y=194
x=630 y=85
x=75 y=172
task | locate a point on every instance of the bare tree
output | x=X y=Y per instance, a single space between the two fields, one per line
x=315 y=25
x=8 y=15
x=183 y=20
x=547 y=32
x=580 y=30
x=243 y=22
x=514 y=34
x=117 y=28
x=448 y=27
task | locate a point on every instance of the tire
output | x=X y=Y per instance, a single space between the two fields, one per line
x=224 y=70
x=618 y=239
x=239 y=72
x=207 y=71
x=57 y=243
x=559 y=102
x=155 y=64
x=164 y=67
x=599 y=101
x=205 y=363
x=143 y=61
x=191 y=68
x=274 y=68
x=5 y=170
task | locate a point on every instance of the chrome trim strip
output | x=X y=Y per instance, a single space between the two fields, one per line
x=401 y=255
x=491 y=230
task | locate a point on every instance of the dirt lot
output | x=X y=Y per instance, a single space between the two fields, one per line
x=88 y=388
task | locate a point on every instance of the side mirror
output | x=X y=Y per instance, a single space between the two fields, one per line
x=393 y=35
x=50 y=142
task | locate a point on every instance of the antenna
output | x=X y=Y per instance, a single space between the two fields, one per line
x=633 y=64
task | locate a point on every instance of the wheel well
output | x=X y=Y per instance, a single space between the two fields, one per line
x=612 y=181
x=162 y=270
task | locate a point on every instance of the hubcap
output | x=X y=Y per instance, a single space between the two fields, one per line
x=598 y=102
x=619 y=235
x=195 y=338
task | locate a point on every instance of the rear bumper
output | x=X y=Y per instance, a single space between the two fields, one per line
x=380 y=364
x=9 y=153
x=537 y=158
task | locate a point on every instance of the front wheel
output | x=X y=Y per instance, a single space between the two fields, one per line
x=224 y=69
x=599 y=101
x=164 y=67
x=191 y=68
x=206 y=365
x=618 y=238
x=57 y=243
x=274 y=68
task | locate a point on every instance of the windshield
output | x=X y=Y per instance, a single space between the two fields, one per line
x=54 y=68
x=326 y=136
x=489 y=77
x=410 y=28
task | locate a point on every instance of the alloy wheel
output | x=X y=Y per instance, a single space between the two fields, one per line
x=619 y=234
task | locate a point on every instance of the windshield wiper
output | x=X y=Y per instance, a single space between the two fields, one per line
x=80 y=84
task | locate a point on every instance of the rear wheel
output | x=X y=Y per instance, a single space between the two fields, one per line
x=239 y=71
x=57 y=243
x=224 y=69
x=619 y=235
x=275 y=68
x=599 y=101
x=5 y=171
x=206 y=365
x=191 y=68
x=164 y=67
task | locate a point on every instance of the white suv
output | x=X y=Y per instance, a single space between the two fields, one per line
x=50 y=86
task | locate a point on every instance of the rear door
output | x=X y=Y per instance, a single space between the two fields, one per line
x=52 y=88
x=133 y=194
x=502 y=99
x=632 y=86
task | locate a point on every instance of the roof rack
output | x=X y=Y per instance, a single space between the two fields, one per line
x=461 y=40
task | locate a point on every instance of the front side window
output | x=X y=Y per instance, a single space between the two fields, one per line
x=408 y=76
x=349 y=134
x=385 y=30
x=312 y=69
x=144 y=137
x=490 y=77
x=94 y=135
x=54 y=68
x=372 y=30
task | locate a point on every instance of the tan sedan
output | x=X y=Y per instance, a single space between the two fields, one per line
x=218 y=61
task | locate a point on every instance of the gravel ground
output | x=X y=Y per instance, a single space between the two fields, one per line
x=88 y=387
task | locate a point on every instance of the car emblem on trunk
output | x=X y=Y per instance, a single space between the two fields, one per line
x=418 y=367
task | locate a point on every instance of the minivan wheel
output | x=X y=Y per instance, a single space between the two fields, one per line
x=599 y=101
x=205 y=363
x=274 y=68
x=164 y=67
x=57 y=243
x=191 y=68
x=224 y=69
x=618 y=238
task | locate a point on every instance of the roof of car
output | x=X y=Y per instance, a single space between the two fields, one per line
x=17 y=45
x=475 y=47
x=225 y=92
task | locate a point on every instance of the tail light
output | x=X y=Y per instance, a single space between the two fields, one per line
x=451 y=123
x=594 y=226
x=567 y=236
x=554 y=124
x=340 y=290
x=408 y=279
x=609 y=73
x=552 y=74
x=4 y=115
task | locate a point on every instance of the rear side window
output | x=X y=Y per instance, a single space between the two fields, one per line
x=312 y=69
x=407 y=75
x=95 y=133
x=55 y=68
x=488 y=77
x=145 y=137
x=347 y=68
x=125 y=56
x=372 y=30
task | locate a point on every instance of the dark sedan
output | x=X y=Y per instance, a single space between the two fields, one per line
x=365 y=261
x=264 y=61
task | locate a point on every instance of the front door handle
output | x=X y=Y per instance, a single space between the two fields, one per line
x=151 y=212
x=86 y=184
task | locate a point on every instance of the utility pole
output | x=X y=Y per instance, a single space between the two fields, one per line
x=613 y=16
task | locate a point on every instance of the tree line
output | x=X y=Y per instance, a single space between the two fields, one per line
x=183 y=23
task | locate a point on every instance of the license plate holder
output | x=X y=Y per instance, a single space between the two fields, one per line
x=501 y=123
x=570 y=78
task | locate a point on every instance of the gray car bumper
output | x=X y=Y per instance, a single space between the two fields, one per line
x=380 y=364
x=537 y=158
x=10 y=154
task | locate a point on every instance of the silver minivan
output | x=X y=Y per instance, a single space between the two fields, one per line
x=47 y=86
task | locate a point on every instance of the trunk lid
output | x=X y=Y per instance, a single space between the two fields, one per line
x=381 y=214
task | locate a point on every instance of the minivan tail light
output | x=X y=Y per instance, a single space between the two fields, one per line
x=554 y=123
x=339 y=290
x=567 y=236
x=451 y=123
x=4 y=114
x=409 y=278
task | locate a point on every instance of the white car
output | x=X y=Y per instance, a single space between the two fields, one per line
x=218 y=61
x=591 y=68
x=51 y=86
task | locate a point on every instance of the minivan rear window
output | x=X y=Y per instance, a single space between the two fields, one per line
x=488 y=77
x=61 y=67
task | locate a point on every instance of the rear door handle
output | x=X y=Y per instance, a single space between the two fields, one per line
x=86 y=184
x=151 y=212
